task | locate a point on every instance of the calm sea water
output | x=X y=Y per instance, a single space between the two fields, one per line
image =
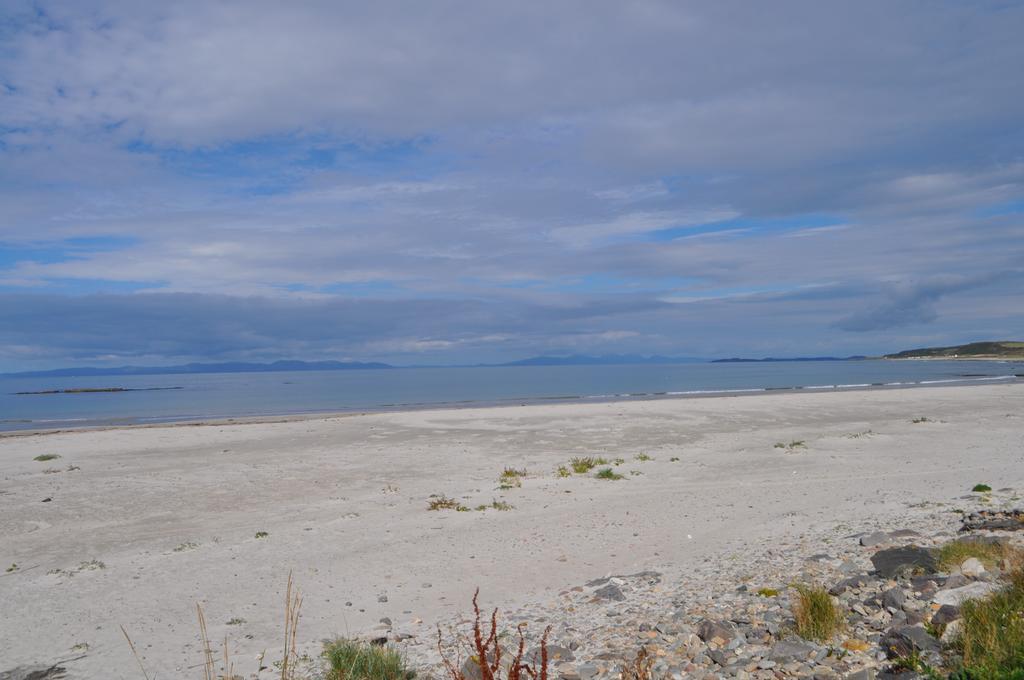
x=264 y=394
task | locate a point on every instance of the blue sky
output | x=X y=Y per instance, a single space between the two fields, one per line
x=458 y=182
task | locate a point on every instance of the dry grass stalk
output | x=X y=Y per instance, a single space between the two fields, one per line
x=292 y=606
x=487 y=653
x=209 y=670
x=135 y=653
x=641 y=668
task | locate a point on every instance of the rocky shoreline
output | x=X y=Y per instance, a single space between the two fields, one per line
x=733 y=618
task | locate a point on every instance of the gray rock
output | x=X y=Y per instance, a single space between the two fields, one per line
x=719 y=632
x=556 y=655
x=905 y=640
x=894 y=598
x=791 y=649
x=587 y=671
x=972 y=567
x=945 y=614
x=610 y=592
x=893 y=562
x=875 y=538
x=957 y=596
x=858 y=581
x=719 y=657
x=864 y=674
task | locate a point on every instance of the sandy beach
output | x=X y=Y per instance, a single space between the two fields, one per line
x=140 y=524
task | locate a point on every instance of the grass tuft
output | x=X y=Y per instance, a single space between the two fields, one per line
x=922 y=419
x=354 y=660
x=442 y=502
x=991 y=638
x=609 y=473
x=43 y=457
x=767 y=592
x=563 y=471
x=642 y=457
x=584 y=464
x=981 y=488
x=262 y=534
x=990 y=553
x=816 y=614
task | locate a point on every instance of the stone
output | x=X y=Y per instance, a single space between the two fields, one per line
x=875 y=538
x=791 y=649
x=956 y=596
x=610 y=592
x=848 y=584
x=894 y=598
x=952 y=630
x=556 y=655
x=863 y=674
x=972 y=567
x=945 y=614
x=906 y=640
x=718 y=632
x=893 y=562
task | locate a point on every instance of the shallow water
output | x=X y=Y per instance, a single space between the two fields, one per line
x=218 y=395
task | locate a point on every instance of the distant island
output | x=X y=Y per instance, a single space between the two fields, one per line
x=1000 y=349
x=736 y=360
x=603 y=360
x=228 y=367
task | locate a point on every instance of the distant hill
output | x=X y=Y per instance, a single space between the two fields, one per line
x=975 y=350
x=604 y=360
x=228 y=367
x=735 y=360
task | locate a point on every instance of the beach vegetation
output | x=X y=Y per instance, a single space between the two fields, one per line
x=618 y=461
x=584 y=464
x=795 y=444
x=511 y=478
x=767 y=592
x=992 y=554
x=486 y=653
x=495 y=505
x=355 y=660
x=635 y=473
x=981 y=488
x=642 y=457
x=443 y=502
x=563 y=471
x=816 y=614
x=262 y=534
x=641 y=668
x=51 y=471
x=72 y=468
x=608 y=473
x=921 y=419
x=43 y=457
x=235 y=621
x=990 y=643
x=13 y=567
x=674 y=459
x=187 y=545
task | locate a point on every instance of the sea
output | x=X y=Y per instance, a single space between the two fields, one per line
x=189 y=397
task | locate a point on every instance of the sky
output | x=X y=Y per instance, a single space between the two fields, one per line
x=453 y=182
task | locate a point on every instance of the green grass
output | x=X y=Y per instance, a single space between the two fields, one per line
x=816 y=614
x=981 y=488
x=262 y=534
x=43 y=457
x=795 y=444
x=618 y=461
x=189 y=545
x=767 y=592
x=608 y=473
x=236 y=621
x=442 y=502
x=991 y=638
x=354 y=660
x=563 y=471
x=922 y=419
x=584 y=464
x=951 y=555
x=642 y=457
x=495 y=505
x=13 y=567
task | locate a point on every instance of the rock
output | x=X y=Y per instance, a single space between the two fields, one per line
x=894 y=598
x=956 y=596
x=893 y=562
x=875 y=538
x=906 y=640
x=791 y=649
x=719 y=632
x=556 y=655
x=972 y=567
x=34 y=673
x=610 y=592
x=382 y=598
x=719 y=657
x=901 y=674
x=848 y=584
x=587 y=671
x=952 y=631
x=863 y=674
x=956 y=581
x=945 y=614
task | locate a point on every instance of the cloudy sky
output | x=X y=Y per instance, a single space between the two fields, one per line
x=437 y=182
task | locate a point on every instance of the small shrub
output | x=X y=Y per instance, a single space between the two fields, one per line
x=13 y=567
x=91 y=565
x=981 y=488
x=608 y=473
x=72 y=468
x=354 y=660
x=235 y=621
x=991 y=638
x=642 y=457
x=922 y=419
x=442 y=502
x=563 y=471
x=635 y=473
x=816 y=614
x=767 y=592
x=262 y=534
x=618 y=461
x=189 y=545
x=43 y=457
x=673 y=459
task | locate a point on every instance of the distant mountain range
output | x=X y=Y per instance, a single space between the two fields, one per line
x=997 y=349
x=603 y=360
x=736 y=360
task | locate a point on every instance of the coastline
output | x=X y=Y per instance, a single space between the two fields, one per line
x=174 y=514
x=99 y=425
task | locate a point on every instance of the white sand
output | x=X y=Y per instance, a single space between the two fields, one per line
x=344 y=502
